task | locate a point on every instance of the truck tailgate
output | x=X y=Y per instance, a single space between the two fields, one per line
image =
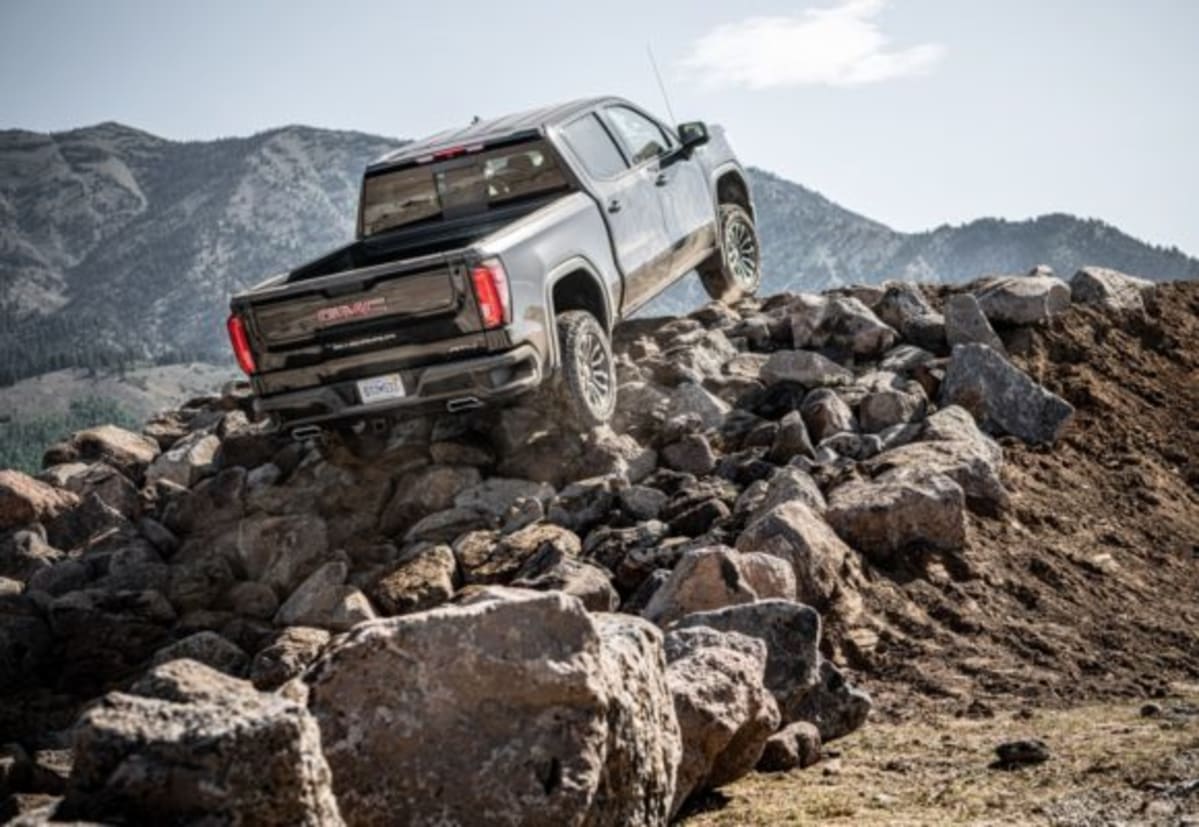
x=385 y=306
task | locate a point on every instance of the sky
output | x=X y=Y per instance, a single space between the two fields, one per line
x=916 y=113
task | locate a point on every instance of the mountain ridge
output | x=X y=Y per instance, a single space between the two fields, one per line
x=117 y=245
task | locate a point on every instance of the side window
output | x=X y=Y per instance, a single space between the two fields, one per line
x=594 y=146
x=644 y=138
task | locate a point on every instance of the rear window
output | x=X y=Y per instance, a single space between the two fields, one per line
x=459 y=186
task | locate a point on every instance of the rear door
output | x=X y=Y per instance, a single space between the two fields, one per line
x=630 y=205
x=680 y=182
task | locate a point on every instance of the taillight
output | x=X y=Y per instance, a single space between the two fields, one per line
x=241 y=344
x=491 y=293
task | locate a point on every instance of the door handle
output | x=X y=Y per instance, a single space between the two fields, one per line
x=662 y=180
x=614 y=205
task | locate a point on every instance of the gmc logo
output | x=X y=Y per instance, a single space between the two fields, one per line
x=356 y=310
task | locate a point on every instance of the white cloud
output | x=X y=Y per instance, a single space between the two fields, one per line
x=838 y=46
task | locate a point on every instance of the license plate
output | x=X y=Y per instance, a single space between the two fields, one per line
x=379 y=388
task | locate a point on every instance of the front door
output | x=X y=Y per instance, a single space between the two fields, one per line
x=630 y=206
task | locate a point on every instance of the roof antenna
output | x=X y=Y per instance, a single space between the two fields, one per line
x=662 y=86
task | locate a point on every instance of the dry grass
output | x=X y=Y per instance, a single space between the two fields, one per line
x=1109 y=764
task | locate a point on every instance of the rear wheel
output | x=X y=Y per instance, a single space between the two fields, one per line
x=736 y=269
x=587 y=384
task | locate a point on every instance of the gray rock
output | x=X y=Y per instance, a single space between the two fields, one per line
x=447 y=526
x=768 y=575
x=795 y=533
x=569 y=712
x=804 y=367
x=282 y=551
x=1022 y=300
x=835 y=706
x=791 y=440
x=724 y=711
x=323 y=600
x=286 y=656
x=126 y=451
x=424 y=492
x=103 y=635
x=692 y=454
x=497 y=495
x=424 y=578
x=690 y=398
x=705 y=578
x=187 y=461
x=974 y=464
x=552 y=568
x=825 y=413
x=249 y=758
x=498 y=561
x=882 y=518
x=883 y=409
x=1002 y=397
x=24 y=500
x=199 y=583
x=207 y=648
x=23 y=553
x=250 y=599
x=642 y=502
x=1112 y=289
x=904 y=359
x=791 y=632
x=965 y=323
x=795 y=746
x=904 y=308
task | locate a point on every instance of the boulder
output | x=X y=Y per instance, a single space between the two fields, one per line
x=253 y=600
x=326 y=602
x=833 y=705
x=286 y=656
x=791 y=440
x=552 y=568
x=724 y=711
x=769 y=576
x=825 y=413
x=1002 y=397
x=795 y=746
x=447 y=526
x=791 y=632
x=24 y=500
x=705 y=578
x=425 y=577
x=642 y=502
x=198 y=584
x=690 y=398
x=692 y=454
x=497 y=495
x=904 y=308
x=23 y=553
x=883 y=409
x=569 y=713
x=126 y=451
x=208 y=648
x=795 y=533
x=804 y=367
x=1021 y=300
x=965 y=323
x=882 y=518
x=973 y=464
x=187 y=461
x=1111 y=289
x=495 y=561
x=246 y=758
x=282 y=551
x=424 y=492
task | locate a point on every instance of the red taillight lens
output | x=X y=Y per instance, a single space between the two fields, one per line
x=241 y=344
x=491 y=292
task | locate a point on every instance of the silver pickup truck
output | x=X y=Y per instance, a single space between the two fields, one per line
x=495 y=258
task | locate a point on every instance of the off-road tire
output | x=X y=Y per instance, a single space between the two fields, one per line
x=586 y=383
x=736 y=269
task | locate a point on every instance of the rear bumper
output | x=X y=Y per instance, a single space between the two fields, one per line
x=451 y=386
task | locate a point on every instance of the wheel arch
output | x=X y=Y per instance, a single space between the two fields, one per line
x=575 y=284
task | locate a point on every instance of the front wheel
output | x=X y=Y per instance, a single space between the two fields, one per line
x=736 y=269
x=587 y=387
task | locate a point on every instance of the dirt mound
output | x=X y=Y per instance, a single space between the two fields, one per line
x=1085 y=587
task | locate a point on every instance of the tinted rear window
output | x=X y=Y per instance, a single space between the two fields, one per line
x=595 y=148
x=459 y=186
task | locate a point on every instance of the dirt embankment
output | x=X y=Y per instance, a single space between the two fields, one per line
x=1086 y=586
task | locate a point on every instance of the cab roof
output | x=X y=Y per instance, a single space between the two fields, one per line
x=529 y=123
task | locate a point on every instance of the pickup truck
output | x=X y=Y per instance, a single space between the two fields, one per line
x=494 y=259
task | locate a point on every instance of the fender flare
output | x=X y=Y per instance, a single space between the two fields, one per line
x=556 y=274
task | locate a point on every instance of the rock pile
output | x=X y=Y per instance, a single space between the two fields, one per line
x=484 y=617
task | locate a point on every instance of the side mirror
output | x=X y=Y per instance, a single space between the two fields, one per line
x=693 y=134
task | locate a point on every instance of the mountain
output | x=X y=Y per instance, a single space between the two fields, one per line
x=118 y=246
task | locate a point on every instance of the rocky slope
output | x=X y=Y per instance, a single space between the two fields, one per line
x=940 y=494
x=118 y=246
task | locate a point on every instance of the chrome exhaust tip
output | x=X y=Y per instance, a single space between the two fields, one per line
x=463 y=403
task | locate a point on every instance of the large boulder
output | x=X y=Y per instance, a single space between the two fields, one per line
x=705 y=578
x=804 y=367
x=282 y=551
x=555 y=716
x=904 y=307
x=186 y=462
x=126 y=451
x=1022 y=300
x=973 y=464
x=797 y=534
x=791 y=632
x=216 y=752
x=725 y=712
x=325 y=601
x=24 y=500
x=1111 y=289
x=881 y=518
x=825 y=414
x=424 y=492
x=965 y=323
x=1002 y=397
